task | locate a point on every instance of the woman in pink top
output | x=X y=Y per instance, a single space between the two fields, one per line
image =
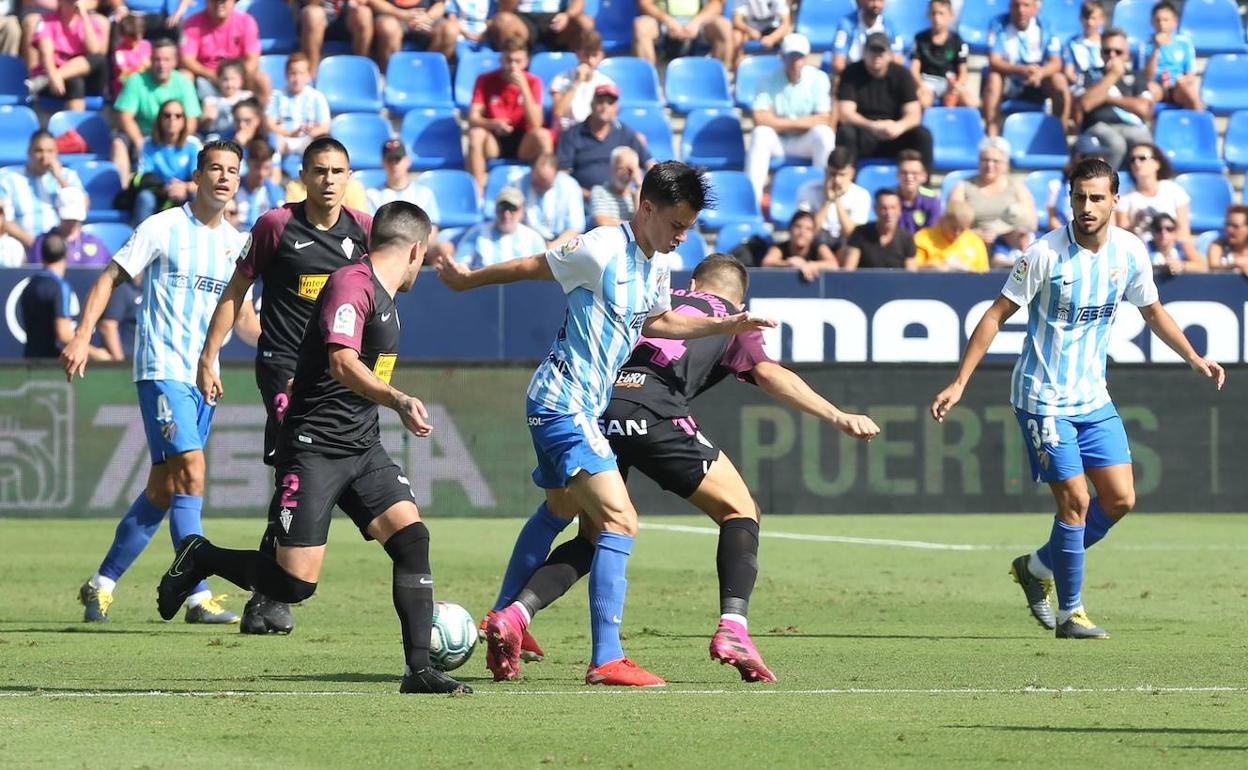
x=73 y=54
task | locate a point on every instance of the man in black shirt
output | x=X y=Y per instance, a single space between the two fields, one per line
x=878 y=106
x=330 y=453
x=882 y=243
x=651 y=427
x=293 y=249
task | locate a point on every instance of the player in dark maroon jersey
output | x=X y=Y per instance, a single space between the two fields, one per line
x=329 y=451
x=293 y=249
x=651 y=427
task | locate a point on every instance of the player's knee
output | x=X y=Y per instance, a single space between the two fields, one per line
x=621 y=521
x=1120 y=505
x=160 y=497
x=291 y=589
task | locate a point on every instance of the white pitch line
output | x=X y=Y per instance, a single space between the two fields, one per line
x=827 y=538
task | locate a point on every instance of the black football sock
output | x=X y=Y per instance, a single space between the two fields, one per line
x=252 y=570
x=736 y=560
x=413 y=591
x=566 y=564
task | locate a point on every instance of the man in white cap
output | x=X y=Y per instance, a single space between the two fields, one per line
x=81 y=248
x=502 y=239
x=792 y=114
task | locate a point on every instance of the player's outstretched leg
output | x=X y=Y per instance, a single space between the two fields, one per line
x=607 y=590
x=198 y=559
x=134 y=532
x=185 y=521
x=263 y=615
x=736 y=561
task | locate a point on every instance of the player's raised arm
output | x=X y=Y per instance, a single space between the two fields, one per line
x=981 y=339
x=460 y=278
x=225 y=317
x=77 y=352
x=787 y=387
x=677 y=326
x=1162 y=324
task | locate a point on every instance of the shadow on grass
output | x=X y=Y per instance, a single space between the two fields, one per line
x=1112 y=730
x=101 y=628
x=357 y=677
x=1213 y=748
x=916 y=637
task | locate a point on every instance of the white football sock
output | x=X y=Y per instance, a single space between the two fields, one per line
x=735 y=618
x=523 y=612
x=1037 y=568
x=101 y=583
x=198 y=598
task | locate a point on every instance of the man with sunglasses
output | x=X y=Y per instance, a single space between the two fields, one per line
x=1114 y=100
x=503 y=239
x=585 y=150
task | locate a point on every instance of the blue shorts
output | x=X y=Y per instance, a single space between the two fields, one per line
x=1060 y=448
x=176 y=418
x=566 y=444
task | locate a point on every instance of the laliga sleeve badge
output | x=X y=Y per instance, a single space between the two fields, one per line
x=1020 y=270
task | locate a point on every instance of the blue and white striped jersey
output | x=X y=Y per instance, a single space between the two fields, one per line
x=31 y=201
x=1071 y=296
x=612 y=289
x=290 y=111
x=188 y=265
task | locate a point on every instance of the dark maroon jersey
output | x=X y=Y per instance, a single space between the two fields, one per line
x=295 y=259
x=324 y=415
x=664 y=375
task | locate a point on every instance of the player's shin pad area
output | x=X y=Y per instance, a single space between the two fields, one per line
x=888 y=654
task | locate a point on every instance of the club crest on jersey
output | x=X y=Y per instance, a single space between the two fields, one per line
x=348 y=247
x=310 y=285
x=1020 y=270
x=384 y=366
x=285 y=517
x=1114 y=275
x=344 y=319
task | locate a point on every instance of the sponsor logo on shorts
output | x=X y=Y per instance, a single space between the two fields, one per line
x=630 y=380
x=535 y=422
x=384 y=367
x=310 y=285
x=626 y=427
x=303 y=439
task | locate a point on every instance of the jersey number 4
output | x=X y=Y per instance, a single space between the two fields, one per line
x=1043 y=432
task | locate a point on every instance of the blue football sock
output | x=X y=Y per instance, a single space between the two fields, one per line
x=530 y=552
x=184 y=521
x=1066 y=546
x=135 y=530
x=607 y=588
x=1096 y=528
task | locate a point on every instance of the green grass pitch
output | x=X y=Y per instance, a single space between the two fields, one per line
x=889 y=654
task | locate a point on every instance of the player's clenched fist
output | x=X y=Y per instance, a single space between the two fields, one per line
x=859 y=426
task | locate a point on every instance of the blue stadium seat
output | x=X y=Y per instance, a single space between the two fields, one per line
x=548 y=65
x=102 y=183
x=1205 y=240
x=13 y=81
x=1036 y=141
x=433 y=139
x=876 y=176
x=510 y=175
x=371 y=178
x=471 y=65
x=956 y=134
x=416 y=80
x=818 y=19
x=784 y=184
x=350 y=83
x=614 y=21
x=909 y=18
x=1062 y=18
x=697 y=82
x=974 y=21
x=276 y=22
x=363 y=134
x=751 y=73
x=1235 y=143
x=1135 y=17
x=737 y=201
x=17 y=123
x=1039 y=184
x=637 y=79
x=114 y=234
x=274 y=65
x=1189 y=139
x=1224 y=88
x=692 y=251
x=91 y=126
x=456 y=193
x=951 y=180
x=713 y=138
x=651 y=123
x=146 y=6
x=1211 y=195
x=734 y=235
x=1215 y=26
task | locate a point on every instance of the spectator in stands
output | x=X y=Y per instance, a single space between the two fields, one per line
x=682 y=28
x=766 y=22
x=1230 y=252
x=12 y=252
x=1058 y=203
x=471 y=20
x=802 y=250
x=29 y=14
x=10 y=31
x=82 y=249
x=878 y=107
x=249 y=122
x=920 y=205
x=402 y=184
x=257 y=192
x=30 y=192
x=46 y=306
x=163 y=178
x=1114 y=101
x=1024 y=64
x=572 y=92
x=1155 y=193
x=218 y=108
x=346 y=20
x=503 y=238
x=792 y=114
x=133 y=53
x=615 y=201
x=139 y=103
x=421 y=23
x=850 y=42
x=881 y=244
x=1170 y=61
x=73 y=54
x=555 y=24
x=938 y=63
x=1001 y=204
x=554 y=206
x=585 y=151
x=116 y=326
x=505 y=118
x=1009 y=247
x=1081 y=54
x=217 y=33
x=1168 y=254
x=300 y=113
x=950 y=245
x=839 y=205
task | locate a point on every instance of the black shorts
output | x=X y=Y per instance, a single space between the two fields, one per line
x=539 y=29
x=272 y=376
x=509 y=144
x=671 y=451
x=309 y=484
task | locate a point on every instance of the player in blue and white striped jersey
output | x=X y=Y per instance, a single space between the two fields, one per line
x=1071 y=282
x=187 y=255
x=617 y=283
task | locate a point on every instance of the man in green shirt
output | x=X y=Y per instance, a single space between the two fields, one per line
x=139 y=102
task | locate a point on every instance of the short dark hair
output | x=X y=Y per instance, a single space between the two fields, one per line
x=250 y=103
x=1094 y=168
x=399 y=224
x=52 y=250
x=723 y=270
x=233 y=64
x=1159 y=219
x=37 y=134
x=1164 y=5
x=1113 y=32
x=947 y=3
x=217 y=145
x=259 y=151
x=163 y=41
x=672 y=182
x=908 y=155
x=841 y=157
x=1089 y=7
x=324 y=144
x=800 y=214
x=513 y=44
x=885 y=192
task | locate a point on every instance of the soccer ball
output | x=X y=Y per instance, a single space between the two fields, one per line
x=454 y=636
